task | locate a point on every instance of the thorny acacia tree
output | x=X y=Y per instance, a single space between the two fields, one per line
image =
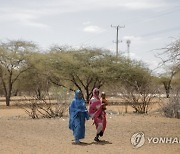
x=84 y=69
x=13 y=62
x=135 y=84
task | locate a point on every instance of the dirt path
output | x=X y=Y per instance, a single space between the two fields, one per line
x=21 y=135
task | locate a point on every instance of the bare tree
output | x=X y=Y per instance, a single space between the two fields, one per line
x=167 y=81
x=172 y=60
x=44 y=108
x=173 y=53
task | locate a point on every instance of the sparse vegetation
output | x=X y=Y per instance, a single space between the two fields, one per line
x=172 y=108
x=34 y=73
x=44 y=108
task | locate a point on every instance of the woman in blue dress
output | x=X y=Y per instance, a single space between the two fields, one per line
x=77 y=115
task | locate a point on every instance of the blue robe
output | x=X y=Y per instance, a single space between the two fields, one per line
x=77 y=115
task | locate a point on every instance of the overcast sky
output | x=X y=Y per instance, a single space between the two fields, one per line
x=149 y=24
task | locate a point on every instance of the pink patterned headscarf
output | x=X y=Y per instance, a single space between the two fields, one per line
x=94 y=93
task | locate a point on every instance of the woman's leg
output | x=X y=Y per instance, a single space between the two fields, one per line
x=101 y=133
x=99 y=127
x=79 y=131
x=77 y=140
x=76 y=129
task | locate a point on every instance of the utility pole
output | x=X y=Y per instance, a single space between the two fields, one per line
x=117 y=39
x=128 y=46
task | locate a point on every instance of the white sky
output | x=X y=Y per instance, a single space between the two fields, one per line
x=149 y=24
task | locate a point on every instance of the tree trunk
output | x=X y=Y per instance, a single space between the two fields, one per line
x=167 y=93
x=167 y=89
x=38 y=93
x=7 y=100
x=16 y=92
x=87 y=97
x=9 y=91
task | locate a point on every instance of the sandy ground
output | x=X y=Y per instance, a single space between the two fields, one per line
x=21 y=135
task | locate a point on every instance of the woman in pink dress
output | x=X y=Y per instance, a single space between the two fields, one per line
x=97 y=113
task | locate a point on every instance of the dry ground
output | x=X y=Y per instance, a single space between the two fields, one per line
x=21 y=135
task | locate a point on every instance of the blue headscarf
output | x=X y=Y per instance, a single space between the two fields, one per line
x=77 y=105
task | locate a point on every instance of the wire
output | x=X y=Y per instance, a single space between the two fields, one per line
x=150 y=18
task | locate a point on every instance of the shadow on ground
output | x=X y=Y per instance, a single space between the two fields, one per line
x=101 y=142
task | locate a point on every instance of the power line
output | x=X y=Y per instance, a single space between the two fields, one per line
x=153 y=17
x=117 y=39
x=161 y=31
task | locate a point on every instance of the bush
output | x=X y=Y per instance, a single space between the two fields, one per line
x=172 y=108
x=44 y=108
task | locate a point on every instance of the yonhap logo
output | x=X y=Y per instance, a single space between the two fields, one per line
x=138 y=139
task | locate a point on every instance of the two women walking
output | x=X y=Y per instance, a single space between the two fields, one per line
x=78 y=114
